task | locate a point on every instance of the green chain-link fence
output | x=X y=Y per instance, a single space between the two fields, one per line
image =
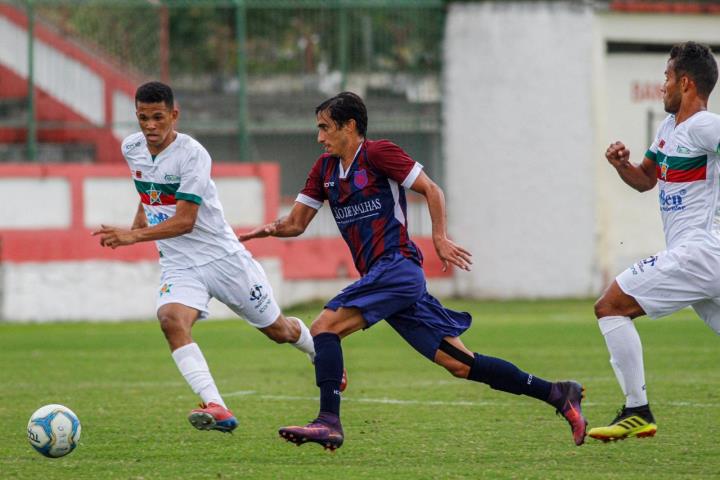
x=249 y=73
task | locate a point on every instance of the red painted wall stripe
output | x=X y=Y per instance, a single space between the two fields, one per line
x=312 y=258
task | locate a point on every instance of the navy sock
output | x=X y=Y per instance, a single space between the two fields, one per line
x=328 y=371
x=503 y=375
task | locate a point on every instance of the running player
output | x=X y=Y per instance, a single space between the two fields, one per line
x=199 y=254
x=684 y=160
x=364 y=182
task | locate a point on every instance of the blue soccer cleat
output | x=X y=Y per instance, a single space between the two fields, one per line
x=213 y=417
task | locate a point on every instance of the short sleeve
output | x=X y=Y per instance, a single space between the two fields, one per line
x=313 y=194
x=392 y=161
x=655 y=146
x=652 y=151
x=194 y=176
x=706 y=134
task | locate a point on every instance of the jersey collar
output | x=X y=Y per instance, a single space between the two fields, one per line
x=343 y=172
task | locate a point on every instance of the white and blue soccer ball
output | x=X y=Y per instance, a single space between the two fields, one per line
x=54 y=430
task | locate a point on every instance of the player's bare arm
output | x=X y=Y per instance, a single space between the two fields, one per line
x=140 y=220
x=291 y=225
x=641 y=177
x=179 y=224
x=447 y=250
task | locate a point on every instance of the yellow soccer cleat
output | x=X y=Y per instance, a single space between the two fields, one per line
x=630 y=422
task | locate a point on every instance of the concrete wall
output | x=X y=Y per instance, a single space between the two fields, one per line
x=51 y=268
x=532 y=99
x=36 y=212
x=628 y=107
x=518 y=147
x=115 y=291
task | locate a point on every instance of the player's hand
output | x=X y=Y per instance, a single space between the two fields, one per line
x=260 y=232
x=618 y=155
x=449 y=251
x=114 y=237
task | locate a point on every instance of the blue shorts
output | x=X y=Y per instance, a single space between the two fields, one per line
x=394 y=289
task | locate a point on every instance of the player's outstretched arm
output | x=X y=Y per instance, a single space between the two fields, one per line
x=179 y=224
x=291 y=225
x=446 y=249
x=641 y=177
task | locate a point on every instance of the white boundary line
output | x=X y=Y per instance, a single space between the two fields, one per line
x=451 y=403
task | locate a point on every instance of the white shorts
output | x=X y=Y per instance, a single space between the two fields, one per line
x=686 y=275
x=237 y=280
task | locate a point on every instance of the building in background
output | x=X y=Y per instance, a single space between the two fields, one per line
x=509 y=104
x=527 y=122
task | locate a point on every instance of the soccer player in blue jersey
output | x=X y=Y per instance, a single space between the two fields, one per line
x=364 y=182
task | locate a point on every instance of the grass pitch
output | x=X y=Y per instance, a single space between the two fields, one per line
x=403 y=417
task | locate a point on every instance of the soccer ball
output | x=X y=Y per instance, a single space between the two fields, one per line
x=53 y=430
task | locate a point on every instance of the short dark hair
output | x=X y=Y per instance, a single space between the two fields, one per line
x=697 y=62
x=346 y=106
x=155 y=92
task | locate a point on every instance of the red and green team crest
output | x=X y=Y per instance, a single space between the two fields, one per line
x=153 y=195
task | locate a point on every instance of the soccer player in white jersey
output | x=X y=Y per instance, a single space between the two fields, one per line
x=200 y=255
x=684 y=161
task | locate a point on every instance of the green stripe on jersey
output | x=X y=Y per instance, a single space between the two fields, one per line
x=681 y=163
x=188 y=197
x=651 y=155
x=167 y=188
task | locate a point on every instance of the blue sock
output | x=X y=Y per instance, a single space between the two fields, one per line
x=328 y=371
x=503 y=375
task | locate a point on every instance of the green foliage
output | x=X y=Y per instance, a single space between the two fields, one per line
x=404 y=418
x=279 y=39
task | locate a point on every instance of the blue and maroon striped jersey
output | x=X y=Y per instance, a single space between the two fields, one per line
x=368 y=200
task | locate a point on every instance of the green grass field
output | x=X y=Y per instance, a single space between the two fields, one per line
x=403 y=416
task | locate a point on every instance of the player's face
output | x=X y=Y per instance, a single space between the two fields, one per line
x=157 y=123
x=333 y=138
x=672 y=94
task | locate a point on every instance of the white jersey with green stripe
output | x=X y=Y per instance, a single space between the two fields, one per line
x=181 y=172
x=687 y=164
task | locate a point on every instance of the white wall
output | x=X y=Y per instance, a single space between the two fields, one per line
x=113 y=291
x=518 y=147
x=626 y=90
x=241 y=198
x=35 y=203
x=124 y=120
x=532 y=99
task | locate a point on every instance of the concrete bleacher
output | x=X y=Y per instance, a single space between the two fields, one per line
x=13 y=144
x=282 y=129
x=80 y=98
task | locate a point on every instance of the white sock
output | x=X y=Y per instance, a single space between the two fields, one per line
x=305 y=342
x=191 y=363
x=626 y=358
